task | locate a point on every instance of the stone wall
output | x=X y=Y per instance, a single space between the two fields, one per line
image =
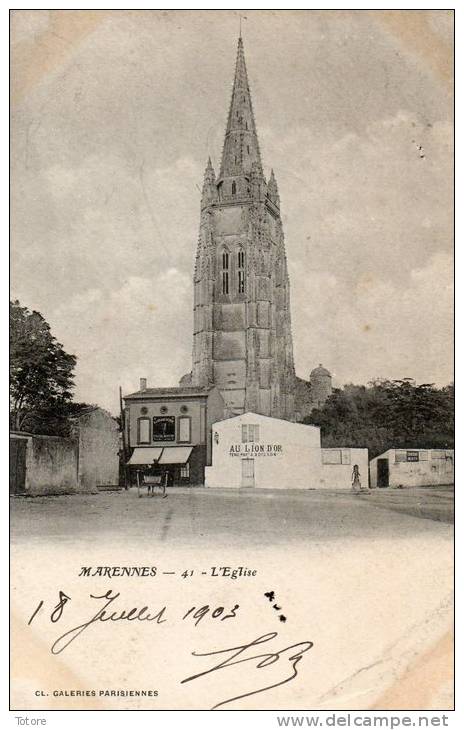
x=51 y=465
x=81 y=463
x=98 y=435
x=303 y=399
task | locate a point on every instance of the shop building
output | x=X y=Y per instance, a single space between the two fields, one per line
x=169 y=430
x=252 y=450
x=412 y=468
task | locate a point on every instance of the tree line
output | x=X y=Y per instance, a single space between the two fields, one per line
x=41 y=376
x=387 y=414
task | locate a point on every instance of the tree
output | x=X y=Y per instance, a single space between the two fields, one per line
x=41 y=374
x=387 y=414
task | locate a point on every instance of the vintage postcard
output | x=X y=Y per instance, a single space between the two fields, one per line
x=231 y=323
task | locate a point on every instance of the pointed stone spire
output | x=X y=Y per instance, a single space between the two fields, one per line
x=241 y=148
x=273 y=190
x=209 y=170
x=208 y=194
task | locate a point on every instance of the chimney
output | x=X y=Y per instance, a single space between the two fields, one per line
x=143 y=384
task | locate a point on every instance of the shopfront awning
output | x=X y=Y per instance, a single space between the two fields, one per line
x=175 y=454
x=145 y=456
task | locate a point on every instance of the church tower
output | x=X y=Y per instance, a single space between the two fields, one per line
x=242 y=340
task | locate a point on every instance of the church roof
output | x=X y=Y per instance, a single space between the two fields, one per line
x=320 y=371
x=241 y=147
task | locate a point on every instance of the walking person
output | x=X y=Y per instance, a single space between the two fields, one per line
x=165 y=483
x=355 y=479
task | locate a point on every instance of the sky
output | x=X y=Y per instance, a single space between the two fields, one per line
x=114 y=114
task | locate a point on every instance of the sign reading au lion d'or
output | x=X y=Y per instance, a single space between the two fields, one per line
x=256 y=450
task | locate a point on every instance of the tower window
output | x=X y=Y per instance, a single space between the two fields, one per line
x=241 y=272
x=246 y=125
x=225 y=272
x=234 y=186
x=248 y=148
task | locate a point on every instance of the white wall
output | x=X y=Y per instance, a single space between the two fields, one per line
x=425 y=472
x=98 y=450
x=287 y=455
x=336 y=476
x=51 y=465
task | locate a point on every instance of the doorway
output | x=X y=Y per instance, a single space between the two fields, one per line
x=248 y=472
x=383 y=474
x=18 y=466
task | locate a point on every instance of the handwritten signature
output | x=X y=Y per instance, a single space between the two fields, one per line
x=265 y=660
x=232 y=656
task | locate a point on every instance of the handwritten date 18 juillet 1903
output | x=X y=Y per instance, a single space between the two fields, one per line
x=109 y=612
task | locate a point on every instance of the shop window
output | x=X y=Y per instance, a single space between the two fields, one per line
x=250 y=433
x=143 y=431
x=184 y=430
x=185 y=471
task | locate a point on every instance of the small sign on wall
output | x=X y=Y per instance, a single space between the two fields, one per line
x=256 y=450
x=164 y=428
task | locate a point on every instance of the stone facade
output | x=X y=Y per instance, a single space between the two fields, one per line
x=242 y=338
x=313 y=393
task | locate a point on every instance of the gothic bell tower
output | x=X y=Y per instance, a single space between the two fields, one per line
x=242 y=339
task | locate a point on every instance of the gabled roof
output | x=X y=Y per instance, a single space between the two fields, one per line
x=260 y=417
x=189 y=391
